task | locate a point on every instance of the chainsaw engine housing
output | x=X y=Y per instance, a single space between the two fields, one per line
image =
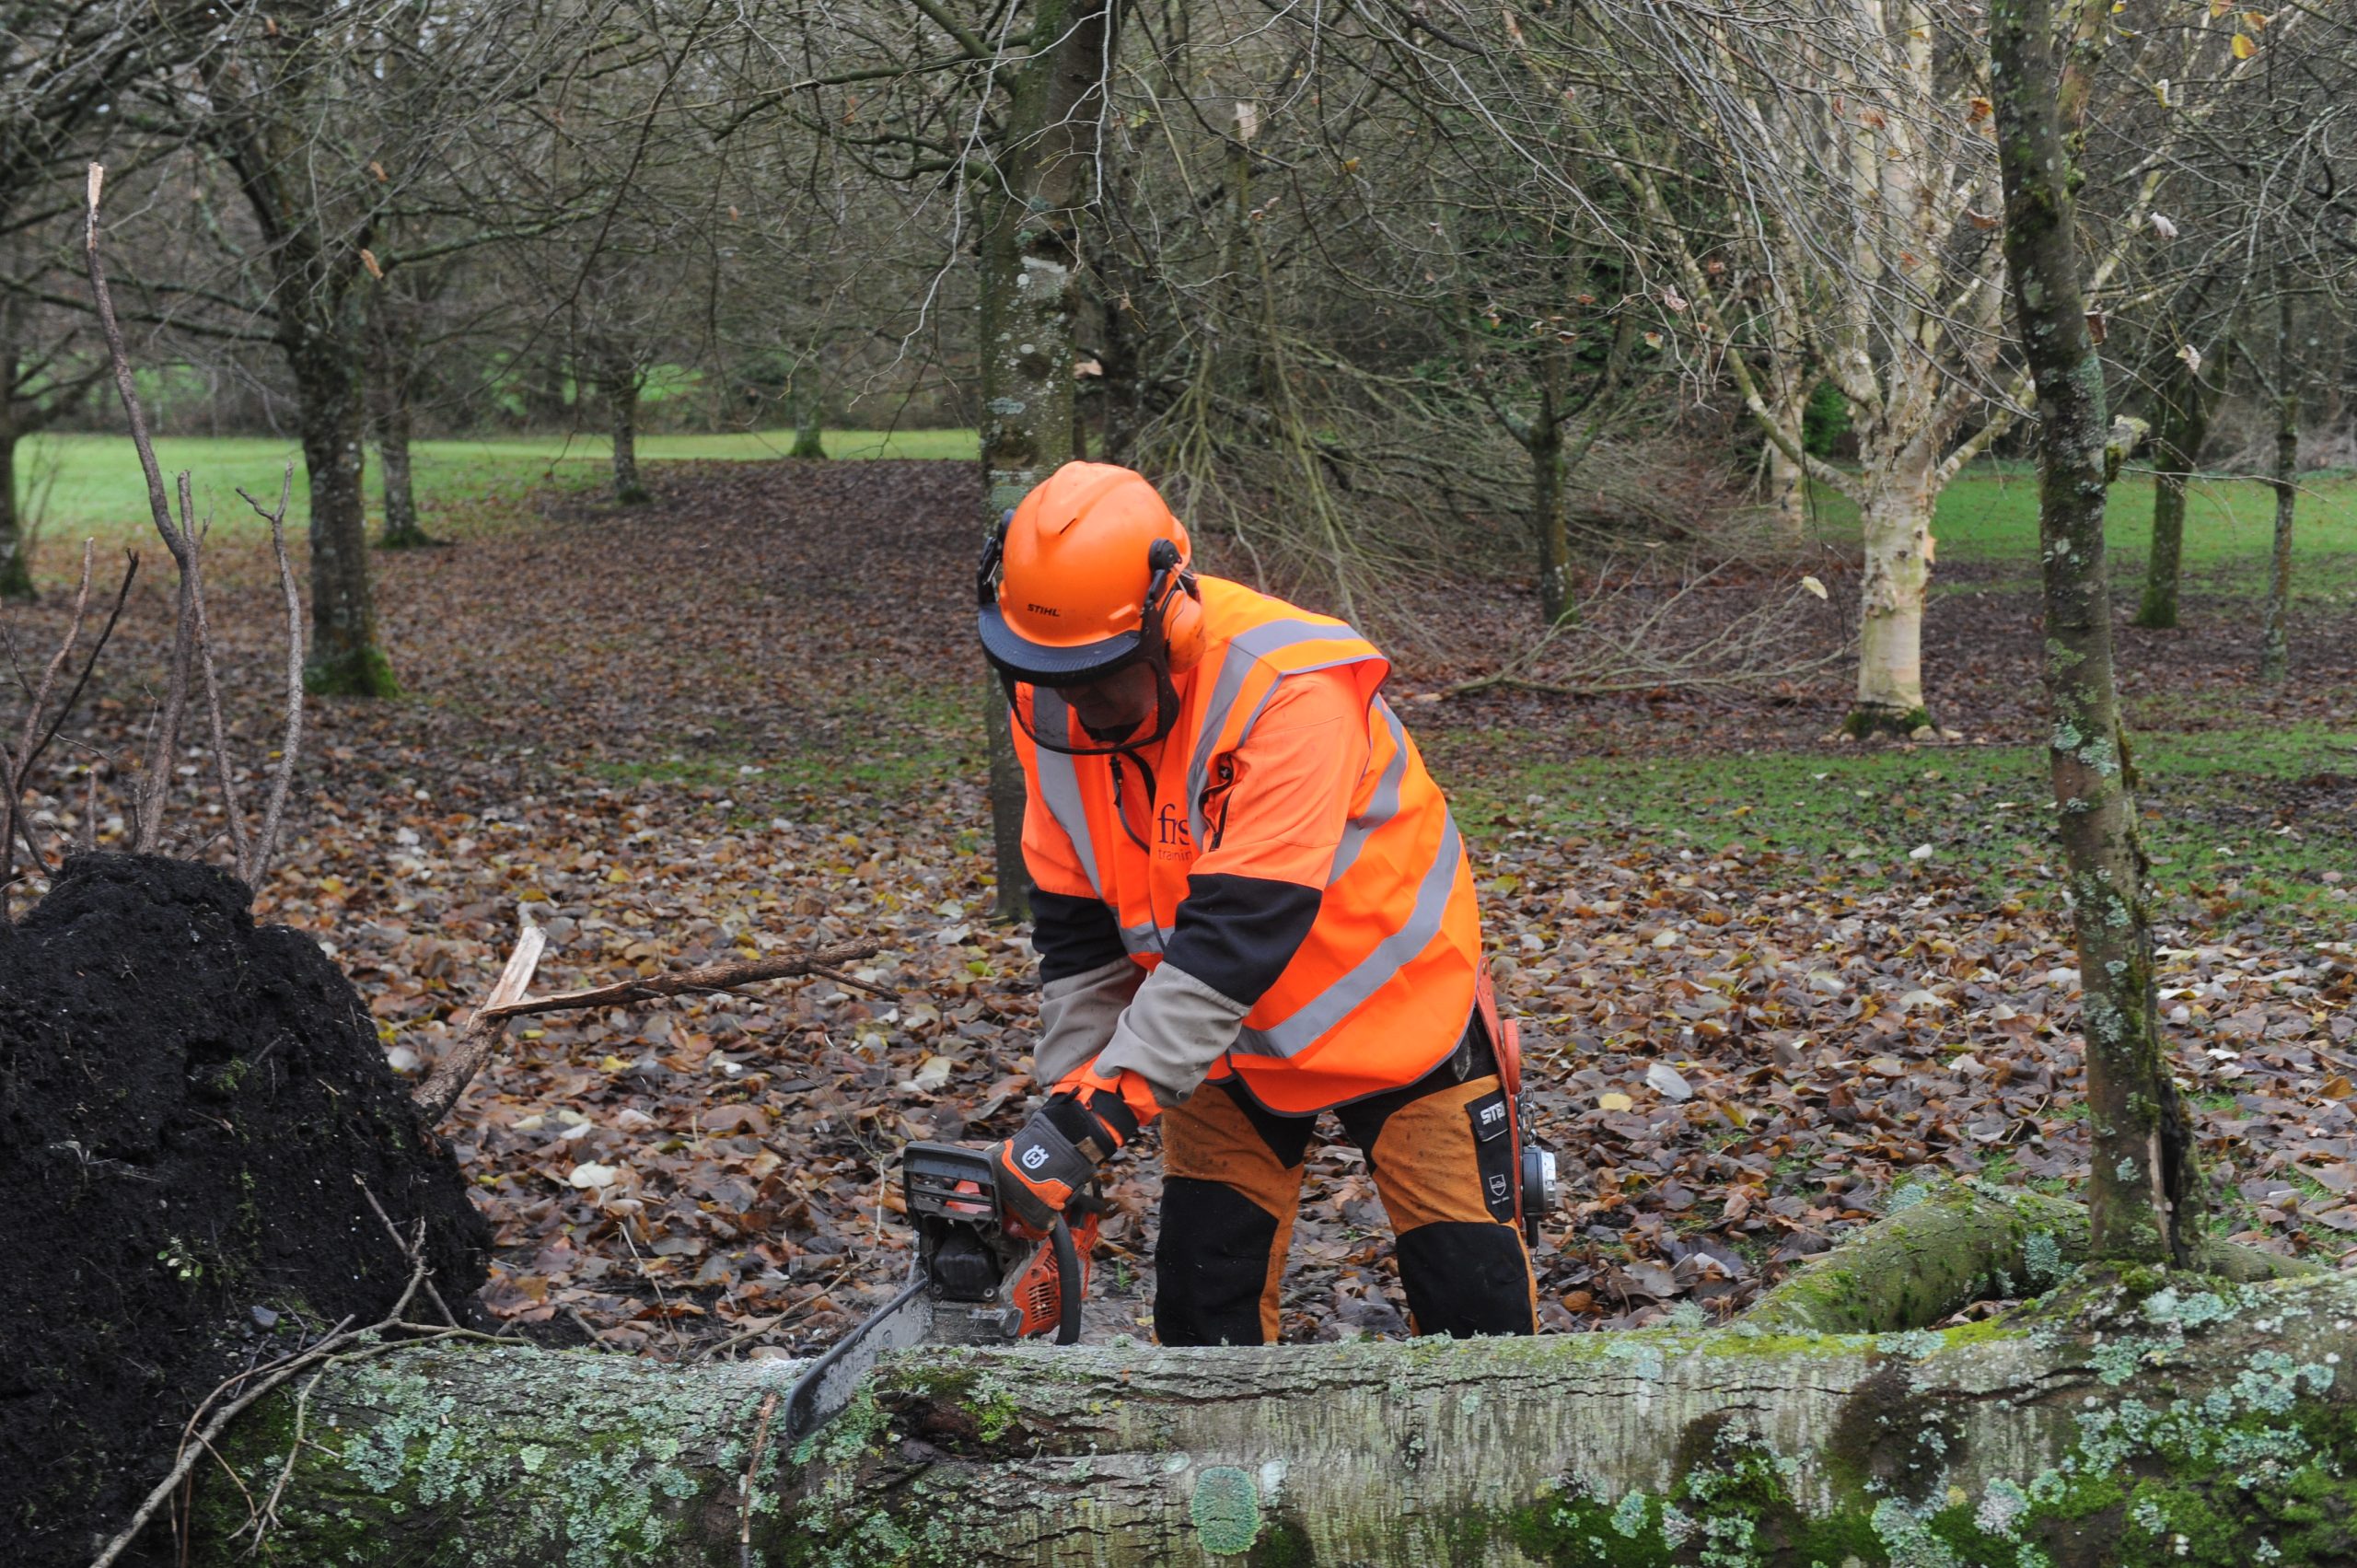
x=1008 y=1286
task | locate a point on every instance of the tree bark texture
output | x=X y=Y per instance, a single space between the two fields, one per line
x=619 y=382
x=1030 y=264
x=264 y=133
x=1787 y=501
x=393 y=371
x=1548 y=515
x=2274 y=636
x=2143 y=1192
x=2180 y=425
x=2134 y=1419
x=1897 y=521
x=15 y=561
x=804 y=395
x=321 y=336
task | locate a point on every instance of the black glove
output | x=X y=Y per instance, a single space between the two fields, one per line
x=1056 y=1154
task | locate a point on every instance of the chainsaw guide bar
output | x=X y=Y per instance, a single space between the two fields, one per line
x=975 y=1279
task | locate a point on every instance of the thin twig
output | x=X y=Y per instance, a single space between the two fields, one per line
x=752 y=1472
x=150 y=828
x=334 y=1347
x=274 y=814
x=733 y=1341
x=854 y=983
x=272 y=1376
x=385 y=1220
x=20 y=768
x=268 y=1512
x=223 y=766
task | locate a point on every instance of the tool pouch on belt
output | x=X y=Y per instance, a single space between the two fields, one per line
x=1505 y=1045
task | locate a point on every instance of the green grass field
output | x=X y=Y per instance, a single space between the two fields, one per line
x=1990 y=517
x=2212 y=804
x=79 y=484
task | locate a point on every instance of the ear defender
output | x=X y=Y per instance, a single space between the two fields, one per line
x=993 y=553
x=1179 y=603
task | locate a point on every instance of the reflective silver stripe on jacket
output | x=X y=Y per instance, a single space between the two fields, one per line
x=1382 y=806
x=1255 y=645
x=1060 y=788
x=1339 y=1000
x=1059 y=781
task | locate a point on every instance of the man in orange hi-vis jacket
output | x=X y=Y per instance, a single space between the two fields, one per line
x=1252 y=907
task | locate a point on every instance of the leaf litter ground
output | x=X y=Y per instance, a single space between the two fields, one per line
x=740 y=721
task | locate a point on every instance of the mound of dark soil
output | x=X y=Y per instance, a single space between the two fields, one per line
x=185 y=1098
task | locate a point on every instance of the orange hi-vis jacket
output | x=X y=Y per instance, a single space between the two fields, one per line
x=1283 y=846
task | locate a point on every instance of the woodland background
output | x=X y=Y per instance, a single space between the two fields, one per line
x=1639 y=375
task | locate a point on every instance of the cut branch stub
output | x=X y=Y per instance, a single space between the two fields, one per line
x=482 y=1032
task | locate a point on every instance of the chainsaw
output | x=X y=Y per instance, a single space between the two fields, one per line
x=976 y=1279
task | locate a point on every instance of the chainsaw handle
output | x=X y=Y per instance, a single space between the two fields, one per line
x=1068 y=1281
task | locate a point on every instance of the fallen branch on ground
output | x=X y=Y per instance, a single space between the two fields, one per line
x=481 y=1037
x=1612 y=644
x=698 y=981
x=481 y=1034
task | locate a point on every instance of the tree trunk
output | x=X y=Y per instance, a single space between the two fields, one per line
x=323 y=348
x=2180 y=425
x=806 y=399
x=392 y=373
x=16 y=559
x=1550 y=521
x=1029 y=265
x=2274 y=637
x=619 y=382
x=1896 y=518
x=2142 y=1191
x=2126 y=1420
x=1787 y=501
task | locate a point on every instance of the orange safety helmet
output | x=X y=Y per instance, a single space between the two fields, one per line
x=1086 y=576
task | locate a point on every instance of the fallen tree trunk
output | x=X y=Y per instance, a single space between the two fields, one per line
x=2128 y=1419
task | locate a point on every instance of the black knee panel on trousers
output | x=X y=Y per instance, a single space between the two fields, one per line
x=1210 y=1264
x=1465 y=1279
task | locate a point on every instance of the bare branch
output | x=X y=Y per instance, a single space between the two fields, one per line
x=695 y=981
x=32 y=737
x=222 y=766
x=150 y=825
x=274 y=812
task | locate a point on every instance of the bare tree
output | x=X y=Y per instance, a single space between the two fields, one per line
x=2143 y=1192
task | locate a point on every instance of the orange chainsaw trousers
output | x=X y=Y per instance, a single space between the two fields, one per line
x=1443 y=1163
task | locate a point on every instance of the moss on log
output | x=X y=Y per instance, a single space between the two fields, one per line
x=1949 y=1244
x=2142 y=1419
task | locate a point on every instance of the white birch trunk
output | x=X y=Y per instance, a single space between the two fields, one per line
x=1896 y=520
x=1787 y=502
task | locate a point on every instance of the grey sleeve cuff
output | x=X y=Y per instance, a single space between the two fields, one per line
x=1173 y=1030
x=1076 y=1017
